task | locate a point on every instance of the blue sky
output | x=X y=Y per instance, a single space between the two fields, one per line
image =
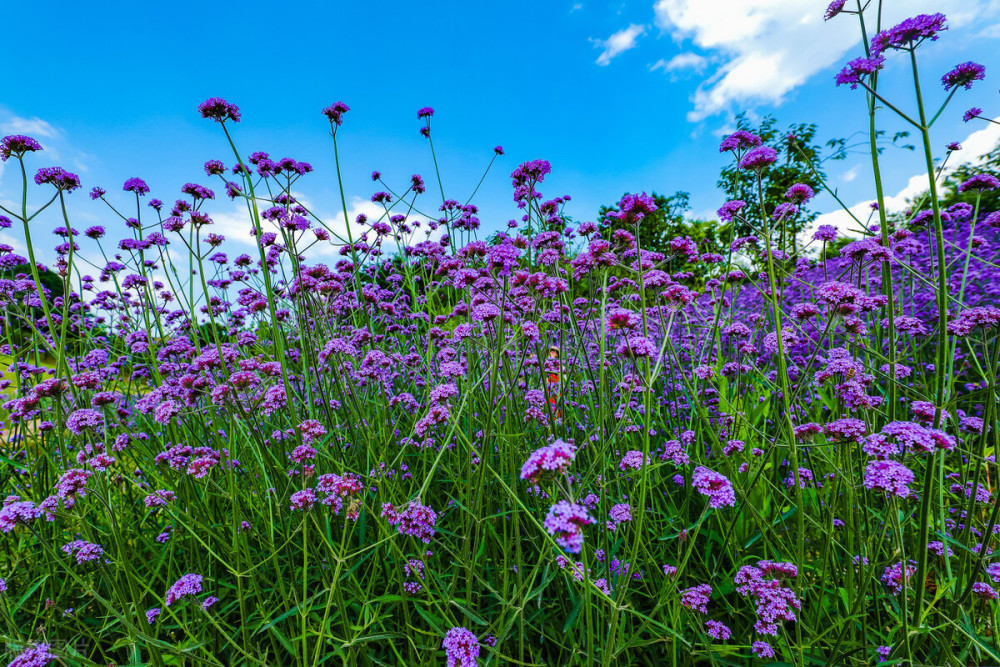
x=619 y=96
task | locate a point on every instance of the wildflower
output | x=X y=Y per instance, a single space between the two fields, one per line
x=980 y=183
x=425 y=112
x=740 y=140
x=3 y=586
x=970 y=318
x=152 y=615
x=84 y=551
x=730 y=209
x=890 y=477
x=59 y=177
x=974 y=112
x=219 y=110
x=415 y=520
x=717 y=630
x=759 y=158
x=714 y=485
x=825 y=233
x=696 y=598
x=17 y=145
x=33 y=656
x=551 y=459
x=189 y=584
x=894 y=575
x=335 y=112
x=565 y=521
x=859 y=68
x=209 y=601
x=835 y=8
x=303 y=500
x=909 y=33
x=775 y=602
x=632 y=461
x=800 y=193
x=963 y=75
x=759 y=648
x=984 y=591
x=620 y=513
x=461 y=647
x=884 y=652
x=136 y=185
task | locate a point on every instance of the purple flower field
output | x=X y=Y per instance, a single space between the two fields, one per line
x=547 y=446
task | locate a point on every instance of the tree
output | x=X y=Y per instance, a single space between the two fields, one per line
x=666 y=223
x=799 y=161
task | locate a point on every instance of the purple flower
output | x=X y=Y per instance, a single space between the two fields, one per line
x=565 y=522
x=974 y=112
x=85 y=551
x=717 y=630
x=498 y=150
x=954 y=146
x=763 y=649
x=858 y=68
x=551 y=459
x=963 y=74
x=415 y=520
x=716 y=486
x=907 y=33
x=825 y=233
x=425 y=112
x=800 y=193
x=303 y=500
x=696 y=598
x=889 y=476
x=759 y=158
x=632 y=461
x=730 y=209
x=136 y=185
x=59 y=177
x=835 y=8
x=461 y=647
x=17 y=145
x=335 y=112
x=85 y=420
x=775 y=602
x=209 y=601
x=219 y=110
x=189 y=584
x=884 y=652
x=152 y=615
x=985 y=591
x=740 y=140
x=33 y=656
x=97 y=193
x=980 y=183
x=894 y=575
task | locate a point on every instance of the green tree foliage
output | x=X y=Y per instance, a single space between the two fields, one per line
x=800 y=160
x=666 y=223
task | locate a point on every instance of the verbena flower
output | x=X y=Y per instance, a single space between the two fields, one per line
x=696 y=598
x=219 y=110
x=189 y=584
x=890 y=477
x=964 y=74
x=461 y=647
x=716 y=486
x=909 y=33
x=565 y=522
x=17 y=145
x=552 y=459
x=759 y=158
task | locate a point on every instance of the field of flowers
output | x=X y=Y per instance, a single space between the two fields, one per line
x=550 y=446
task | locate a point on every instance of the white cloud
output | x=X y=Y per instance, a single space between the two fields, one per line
x=767 y=48
x=621 y=41
x=851 y=174
x=577 y=7
x=34 y=127
x=681 y=61
x=976 y=144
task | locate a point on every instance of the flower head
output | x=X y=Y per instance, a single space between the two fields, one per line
x=461 y=647
x=909 y=33
x=17 y=145
x=189 y=584
x=963 y=75
x=835 y=8
x=974 y=112
x=715 y=485
x=759 y=158
x=59 y=177
x=335 y=112
x=980 y=183
x=219 y=110
x=565 y=522
x=551 y=459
